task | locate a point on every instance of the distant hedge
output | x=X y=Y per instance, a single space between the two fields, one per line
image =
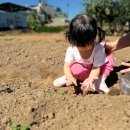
x=52 y=29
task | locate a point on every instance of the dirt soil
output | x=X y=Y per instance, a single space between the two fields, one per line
x=28 y=65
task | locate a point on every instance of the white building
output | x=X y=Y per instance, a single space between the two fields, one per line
x=12 y=15
x=13 y=19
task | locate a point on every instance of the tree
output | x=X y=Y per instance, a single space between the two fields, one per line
x=126 y=5
x=112 y=18
x=114 y=12
x=58 y=9
x=99 y=9
x=34 y=22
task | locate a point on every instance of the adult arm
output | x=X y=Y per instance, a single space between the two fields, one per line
x=120 y=43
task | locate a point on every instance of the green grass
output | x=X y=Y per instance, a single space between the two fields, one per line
x=52 y=29
x=14 y=126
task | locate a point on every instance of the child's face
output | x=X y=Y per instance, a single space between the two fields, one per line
x=87 y=48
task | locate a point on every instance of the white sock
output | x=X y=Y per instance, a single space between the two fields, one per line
x=103 y=86
x=103 y=79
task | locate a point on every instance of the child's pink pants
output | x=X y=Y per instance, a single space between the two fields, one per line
x=81 y=73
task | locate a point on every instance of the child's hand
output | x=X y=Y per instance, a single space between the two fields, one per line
x=88 y=84
x=71 y=82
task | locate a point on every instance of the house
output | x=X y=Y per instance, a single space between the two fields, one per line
x=49 y=15
x=13 y=15
x=45 y=12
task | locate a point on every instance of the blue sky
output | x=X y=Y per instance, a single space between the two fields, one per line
x=74 y=8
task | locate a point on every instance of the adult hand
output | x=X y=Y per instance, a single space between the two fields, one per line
x=125 y=70
x=110 y=46
x=120 y=43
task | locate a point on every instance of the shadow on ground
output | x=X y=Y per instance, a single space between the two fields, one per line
x=114 y=77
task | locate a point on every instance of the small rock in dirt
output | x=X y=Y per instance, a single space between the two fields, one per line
x=43 y=61
x=33 y=109
x=18 y=54
x=124 y=119
x=52 y=63
x=5 y=120
x=26 y=55
x=51 y=115
x=45 y=116
x=8 y=59
x=127 y=111
x=49 y=57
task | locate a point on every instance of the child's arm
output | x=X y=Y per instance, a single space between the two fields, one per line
x=68 y=74
x=94 y=74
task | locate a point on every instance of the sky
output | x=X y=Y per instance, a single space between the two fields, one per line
x=71 y=7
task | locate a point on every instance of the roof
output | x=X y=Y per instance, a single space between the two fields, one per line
x=49 y=10
x=11 y=7
x=45 y=8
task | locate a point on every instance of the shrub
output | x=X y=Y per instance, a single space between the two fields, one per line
x=34 y=22
x=52 y=29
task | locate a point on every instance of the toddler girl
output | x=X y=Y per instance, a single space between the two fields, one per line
x=86 y=60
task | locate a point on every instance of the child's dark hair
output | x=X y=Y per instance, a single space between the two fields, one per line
x=83 y=30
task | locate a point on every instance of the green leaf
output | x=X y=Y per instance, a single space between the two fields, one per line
x=24 y=127
x=60 y=91
x=107 y=10
x=13 y=125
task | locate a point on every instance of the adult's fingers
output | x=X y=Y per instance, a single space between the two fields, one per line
x=125 y=64
x=125 y=70
x=108 y=47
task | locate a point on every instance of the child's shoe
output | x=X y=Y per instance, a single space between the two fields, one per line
x=60 y=82
x=104 y=88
